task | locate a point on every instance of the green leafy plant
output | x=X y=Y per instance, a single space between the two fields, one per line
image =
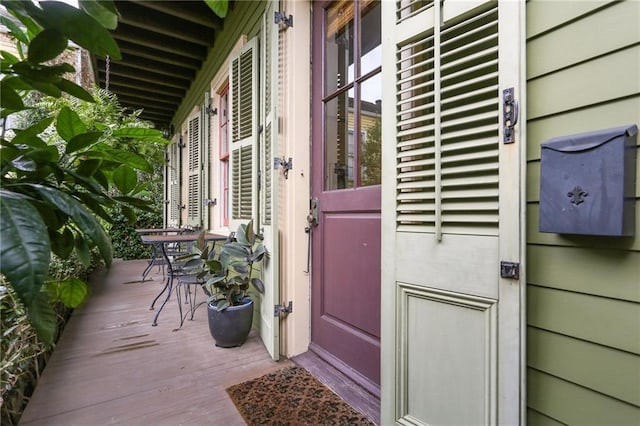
x=228 y=274
x=56 y=191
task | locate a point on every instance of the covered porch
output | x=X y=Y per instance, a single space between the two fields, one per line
x=112 y=367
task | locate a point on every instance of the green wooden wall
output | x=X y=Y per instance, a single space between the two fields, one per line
x=583 y=307
x=245 y=17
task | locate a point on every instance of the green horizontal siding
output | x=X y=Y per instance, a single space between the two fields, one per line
x=571 y=404
x=614 y=113
x=610 y=273
x=617 y=28
x=585 y=368
x=612 y=76
x=539 y=419
x=543 y=16
x=609 y=322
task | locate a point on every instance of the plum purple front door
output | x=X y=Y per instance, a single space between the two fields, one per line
x=345 y=314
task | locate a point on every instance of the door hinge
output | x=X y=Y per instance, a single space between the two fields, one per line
x=286 y=165
x=282 y=310
x=281 y=17
x=509 y=115
x=510 y=270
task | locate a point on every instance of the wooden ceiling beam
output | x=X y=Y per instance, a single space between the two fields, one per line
x=142 y=85
x=147 y=76
x=145 y=94
x=147 y=104
x=188 y=10
x=158 y=41
x=152 y=66
x=146 y=52
x=163 y=24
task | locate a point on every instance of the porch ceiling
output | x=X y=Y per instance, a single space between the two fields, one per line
x=163 y=45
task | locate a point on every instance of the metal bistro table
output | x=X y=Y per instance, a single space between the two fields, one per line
x=162 y=240
x=155 y=260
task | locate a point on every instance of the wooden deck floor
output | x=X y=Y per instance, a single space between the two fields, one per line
x=112 y=367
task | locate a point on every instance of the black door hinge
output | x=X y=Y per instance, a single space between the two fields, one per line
x=282 y=310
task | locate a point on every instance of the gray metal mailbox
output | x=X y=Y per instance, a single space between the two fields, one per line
x=587 y=183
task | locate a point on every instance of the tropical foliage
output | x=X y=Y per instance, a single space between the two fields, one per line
x=227 y=277
x=61 y=174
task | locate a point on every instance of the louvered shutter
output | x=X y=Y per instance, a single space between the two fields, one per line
x=205 y=142
x=194 y=174
x=173 y=186
x=452 y=213
x=243 y=106
x=270 y=177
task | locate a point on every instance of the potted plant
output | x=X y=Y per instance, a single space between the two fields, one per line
x=226 y=277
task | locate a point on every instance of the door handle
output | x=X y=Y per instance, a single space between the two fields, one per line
x=312 y=217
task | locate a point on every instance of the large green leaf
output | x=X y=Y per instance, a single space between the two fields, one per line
x=74 y=90
x=82 y=140
x=14 y=29
x=102 y=11
x=71 y=292
x=24 y=246
x=27 y=136
x=219 y=7
x=69 y=124
x=43 y=318
x=105 y=152
x=9 y=98
x=84 y=220
x=125 y=179
x=78 y=26
x=46 y=46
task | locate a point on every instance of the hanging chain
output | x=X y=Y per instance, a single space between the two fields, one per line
x=107 y=67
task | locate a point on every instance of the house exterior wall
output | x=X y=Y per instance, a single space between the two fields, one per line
x=583 y=310
x=241 y=25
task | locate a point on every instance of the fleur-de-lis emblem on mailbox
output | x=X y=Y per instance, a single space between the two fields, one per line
x=577 y=195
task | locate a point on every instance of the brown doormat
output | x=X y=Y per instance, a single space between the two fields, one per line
x=292 y=396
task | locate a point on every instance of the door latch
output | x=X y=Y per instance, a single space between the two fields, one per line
x=510 y=270
x=312 y=217
x=510 y=114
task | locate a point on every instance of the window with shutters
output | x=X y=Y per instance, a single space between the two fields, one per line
x=243 y=128
x=447 y=124
x=174 y=184
x=194 y=172
x=352 y=98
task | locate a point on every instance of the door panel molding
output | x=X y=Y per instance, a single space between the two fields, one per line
x=432 y=384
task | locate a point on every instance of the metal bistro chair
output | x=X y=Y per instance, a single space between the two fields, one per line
x=187 y=280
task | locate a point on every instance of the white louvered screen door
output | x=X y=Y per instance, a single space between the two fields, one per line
x=194 y=174
x=173 y=186
x=268 y=220
x=452 y=211
x=243 y=113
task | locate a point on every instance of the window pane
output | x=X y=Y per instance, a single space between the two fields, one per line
x=338 y=45
x=224 y=131
x=370 y=43
x=338 y=142
x=370 y=131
